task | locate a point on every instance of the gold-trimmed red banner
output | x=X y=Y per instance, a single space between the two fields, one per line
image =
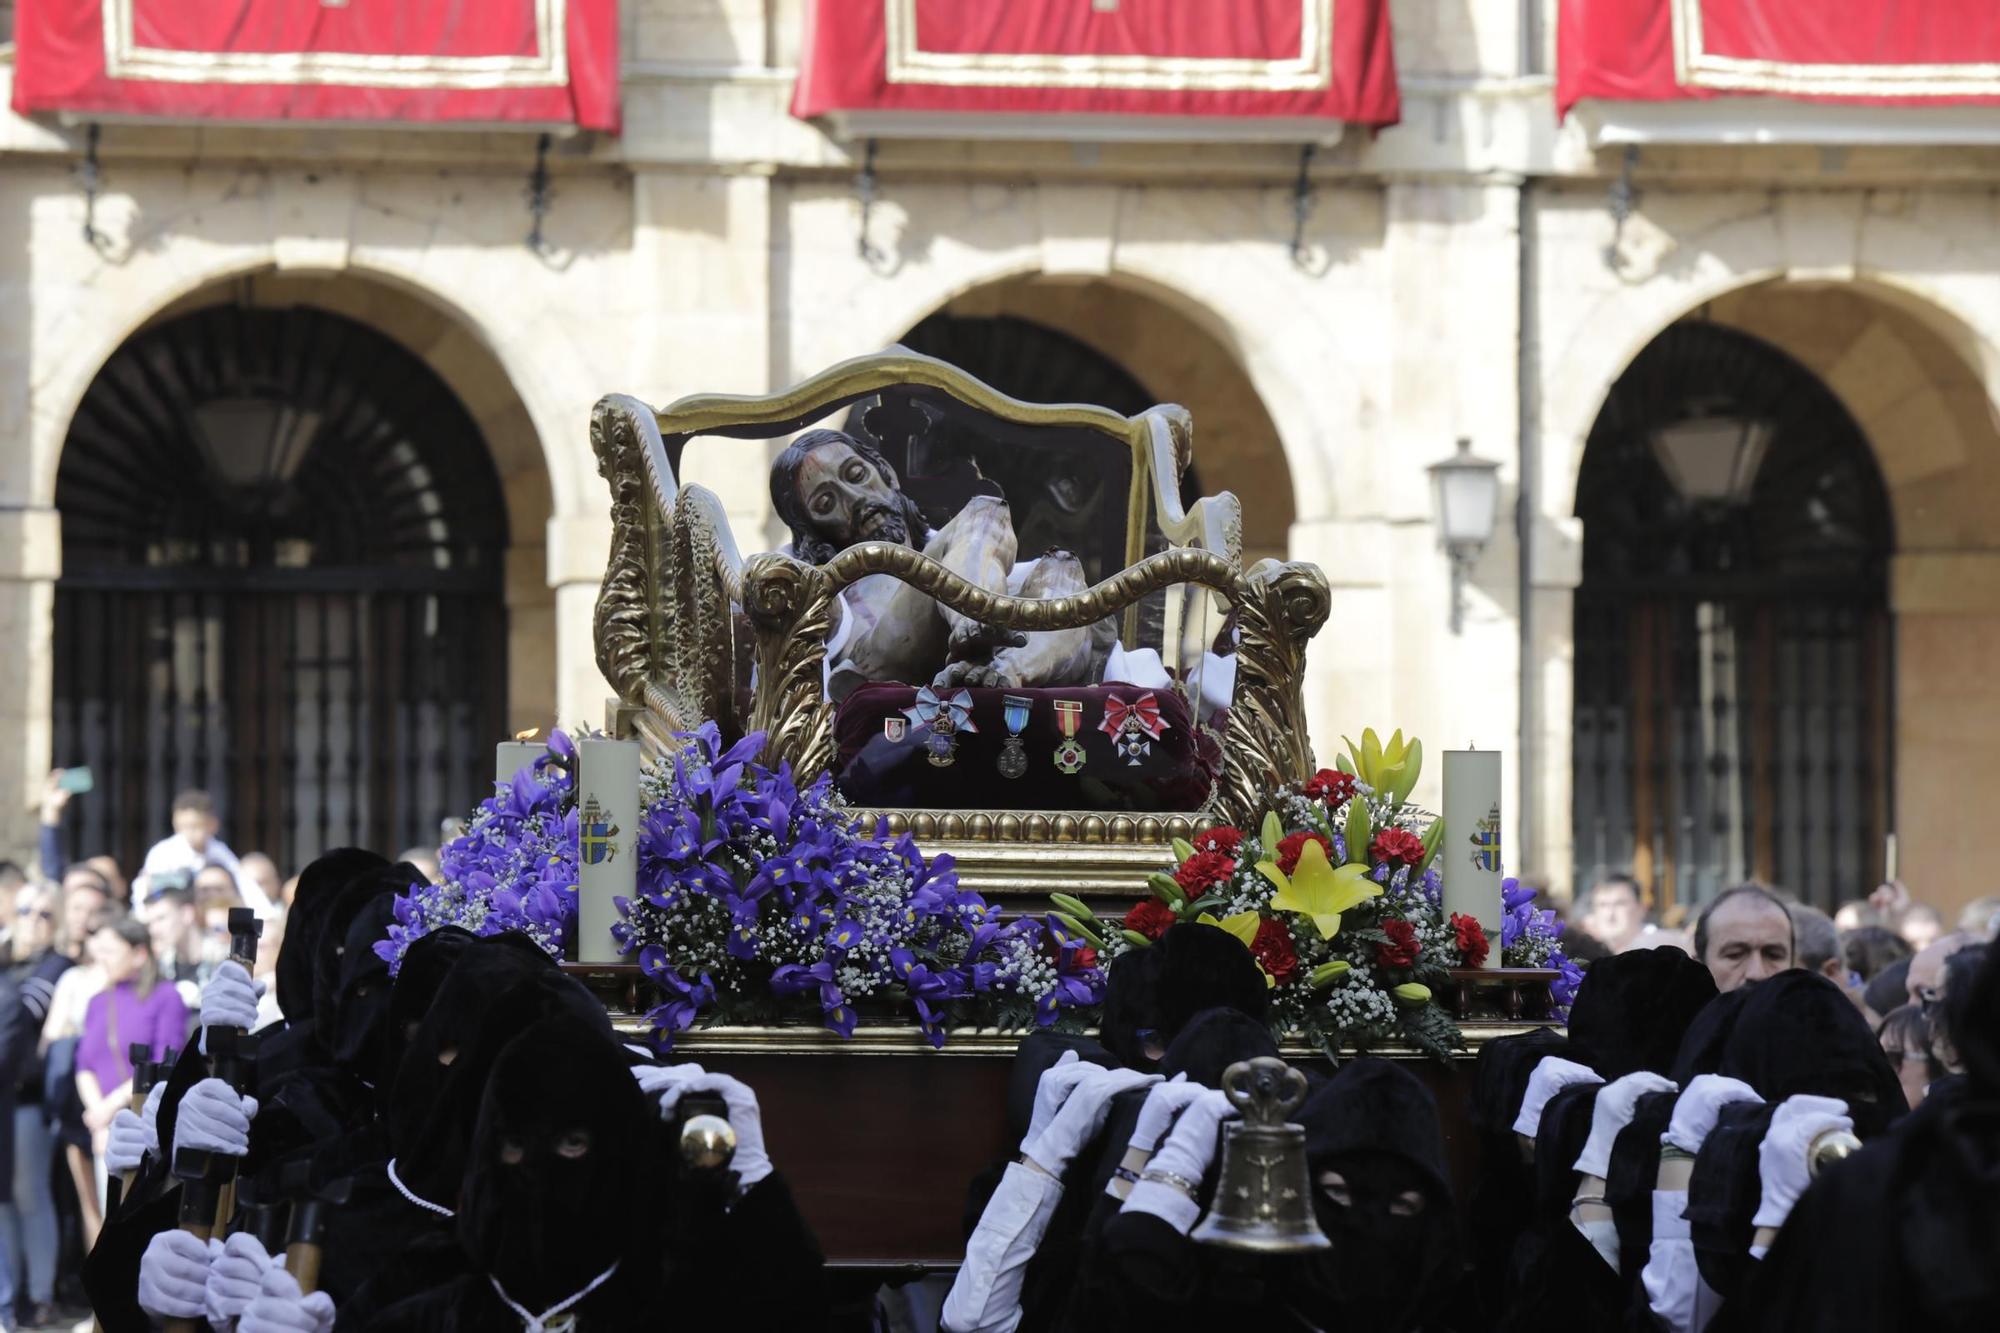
x=549 y=62
x=1328 y=59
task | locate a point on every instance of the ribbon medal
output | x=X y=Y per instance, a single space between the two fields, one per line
x=944 y=716
x=1069 y=716
x=1013 y=754
x=1133 y=726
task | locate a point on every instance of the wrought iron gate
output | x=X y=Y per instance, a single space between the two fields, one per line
x=1733 y=645
x=282 y=538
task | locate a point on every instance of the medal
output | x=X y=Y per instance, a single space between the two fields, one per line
x=895 y=728
x=1133 y=726
x=1069 y=716
x=1014 y=754
x=944 y=716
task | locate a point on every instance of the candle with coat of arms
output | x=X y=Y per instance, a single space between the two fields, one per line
x=607 y=822
x=1471 y=860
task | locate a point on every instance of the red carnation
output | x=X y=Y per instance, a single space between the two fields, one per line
x=1472 y=946
x=1203 y=871
x=1085 y=957
x=1222 y=838
x=1402 y=947
x=1292 y=844
x=1272 y=948
x=1330 y=785
x=1394 y=844
x=1150 y=918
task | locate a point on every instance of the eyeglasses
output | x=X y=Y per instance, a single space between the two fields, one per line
x=1927 y=998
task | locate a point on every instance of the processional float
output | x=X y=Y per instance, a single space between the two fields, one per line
x=999 y=627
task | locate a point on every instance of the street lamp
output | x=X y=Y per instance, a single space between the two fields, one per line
x=1712 y=457
x=1466 y=492
x=254 y=443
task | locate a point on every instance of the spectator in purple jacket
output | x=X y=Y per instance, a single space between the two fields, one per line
x=136 y=1006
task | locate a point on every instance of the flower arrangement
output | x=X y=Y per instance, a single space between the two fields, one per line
x=758 y=900
x=1336 y=897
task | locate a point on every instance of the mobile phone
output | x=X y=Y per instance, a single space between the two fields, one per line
x=76 y=781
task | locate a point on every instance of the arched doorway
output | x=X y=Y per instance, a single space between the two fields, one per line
x=1733 y=654
x=282 y=547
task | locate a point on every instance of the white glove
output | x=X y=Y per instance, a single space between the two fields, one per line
x=654 y=1080
x=1185 y=1155
x=1616 y=1105
x=1164 y=1102
x=229 y=1000
x=279 y=1308
x=752 y=1162
x=1551 y=1076
x=173 y=1275
x=131 y=1139
x=1781 y=1158
x=215 y=1118
x=236 y=1275
x=1698 y=1106
x=1054 y=1089
x=1081 y=1116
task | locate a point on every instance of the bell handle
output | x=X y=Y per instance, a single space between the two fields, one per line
x=1239 y=1084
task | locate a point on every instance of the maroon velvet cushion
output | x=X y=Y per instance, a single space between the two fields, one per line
x=873 y=770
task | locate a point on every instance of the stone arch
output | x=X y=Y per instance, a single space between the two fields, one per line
x=442 y=336
x=1181 y=353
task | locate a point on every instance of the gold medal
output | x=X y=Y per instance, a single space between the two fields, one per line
x=1069 y=716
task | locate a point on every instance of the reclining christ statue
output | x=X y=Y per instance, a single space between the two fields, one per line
x=834 y=491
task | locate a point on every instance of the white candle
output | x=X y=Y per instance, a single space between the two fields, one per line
x=510 y=757
x=1470 y=859
x=607 y=804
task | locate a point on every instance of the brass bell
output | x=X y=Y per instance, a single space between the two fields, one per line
x=1263 y=1192
x=1829 y=1147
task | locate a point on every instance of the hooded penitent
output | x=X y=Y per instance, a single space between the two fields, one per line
x=1723 y=1193
x=1131 y=1017
x=1394 y=1259
x=1904 y=1233
x=320 y=885
x=493 y=993
x=357 y=1009
x=1708 y=1036
x=1797 y=1032
x=1635 y=1170
x=1506 y=1184
x=554 y=1183
x=1633 y=1010
x=1202 y=967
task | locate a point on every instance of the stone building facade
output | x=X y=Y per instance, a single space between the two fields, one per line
x=1479 y=271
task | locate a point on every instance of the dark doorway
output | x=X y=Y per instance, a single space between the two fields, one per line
x=1733 y=651
x=282 y=546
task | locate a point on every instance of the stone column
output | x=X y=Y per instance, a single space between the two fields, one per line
x=30 y=563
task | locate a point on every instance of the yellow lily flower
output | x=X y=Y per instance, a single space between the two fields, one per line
x=1318 y=889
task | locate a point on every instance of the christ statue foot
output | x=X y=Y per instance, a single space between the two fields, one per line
x=992 y=675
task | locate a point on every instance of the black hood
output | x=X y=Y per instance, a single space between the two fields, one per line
x=426 y=963
x=555 y=1180
x=1633 y=1009
x=355 y=1021
x=1798 y=1032
x=1565 y=1128
x=1032 y=1058
x=1213 y=1040
x=330 y=959
x=1132 y=1006
x=1635 y=1170
x=319 y=885
x=1500 y=1075
x=493 y=993
x=1390 y=1268
x=1202 y=967
x=1724 y=1192
x=1708 y=1036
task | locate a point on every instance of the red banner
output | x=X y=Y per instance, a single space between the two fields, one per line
x=1885 y=52
x=530 y=62
x=1323 y=59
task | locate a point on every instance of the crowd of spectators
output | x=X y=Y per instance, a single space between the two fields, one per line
x=97 y=964
x=1887 y=952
